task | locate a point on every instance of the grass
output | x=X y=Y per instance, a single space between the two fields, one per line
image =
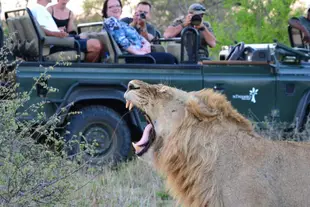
x=134 y=183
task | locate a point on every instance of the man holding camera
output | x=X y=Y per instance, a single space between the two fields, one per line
x=194 y=19
x=140 y=20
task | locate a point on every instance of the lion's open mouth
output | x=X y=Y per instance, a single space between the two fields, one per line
x=148 y=136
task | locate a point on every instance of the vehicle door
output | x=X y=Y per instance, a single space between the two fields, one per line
x=250 y=87
x=293 y=85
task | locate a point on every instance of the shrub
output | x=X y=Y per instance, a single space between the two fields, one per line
x=34 y=167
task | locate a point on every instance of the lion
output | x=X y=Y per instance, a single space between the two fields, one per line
x=210 y=154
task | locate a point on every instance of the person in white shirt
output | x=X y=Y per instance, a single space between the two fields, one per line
x=92 y=47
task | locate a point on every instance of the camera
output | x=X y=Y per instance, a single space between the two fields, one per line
x=196 y=20
x=142 y=15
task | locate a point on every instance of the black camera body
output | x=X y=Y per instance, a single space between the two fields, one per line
x=142 y=15
x=196 y=20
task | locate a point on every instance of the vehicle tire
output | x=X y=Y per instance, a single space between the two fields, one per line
x=104 y=126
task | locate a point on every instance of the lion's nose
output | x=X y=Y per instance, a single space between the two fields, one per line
x=132 y=86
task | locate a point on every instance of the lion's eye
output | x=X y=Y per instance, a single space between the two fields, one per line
x=133 y=87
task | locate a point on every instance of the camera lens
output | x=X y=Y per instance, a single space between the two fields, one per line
x=142 y=16
x=196 y=20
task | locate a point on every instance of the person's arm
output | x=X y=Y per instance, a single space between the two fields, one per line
x=60 y=34
x=207 y=34
x=146 y=35
x=146 y=45
x=144 y=50
x=134 y=51
x=118 y=33
x=177 y=27
x=295 y=23
x=50 y=9
x=173 y=31
x=141 y=26
x=71 y=23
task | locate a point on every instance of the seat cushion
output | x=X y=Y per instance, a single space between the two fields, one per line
x=157 y=48
x=175 y=50
x=70 y=56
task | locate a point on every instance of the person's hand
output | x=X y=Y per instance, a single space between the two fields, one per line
x=187 y=20
x=62 y=29
x=138 y=22
x=140 y=52
x=146 y=47
x=61 y=34
x=141 y=22
x=200 y=26
x=135 y=20
x=306 y=37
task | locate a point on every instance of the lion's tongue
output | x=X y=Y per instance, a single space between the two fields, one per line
x=145 y=136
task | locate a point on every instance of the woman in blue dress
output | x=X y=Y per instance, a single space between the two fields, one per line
x=128 y=38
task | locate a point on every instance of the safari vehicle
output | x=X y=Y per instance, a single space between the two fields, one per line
x=267 y=81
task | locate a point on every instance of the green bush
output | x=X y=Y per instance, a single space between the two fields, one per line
x=34 y=167
x=252 y=22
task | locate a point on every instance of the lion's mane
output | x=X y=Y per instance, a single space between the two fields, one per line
x=211 y=155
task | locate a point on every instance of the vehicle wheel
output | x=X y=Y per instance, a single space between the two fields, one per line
x=102 y=126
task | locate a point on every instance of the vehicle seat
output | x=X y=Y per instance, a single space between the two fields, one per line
x=119 y=55
x=175 y=49
x=109 y=45
x=103 y=37
x=116 y=55
x=156 y=46
x=295 y=37
x=16 y=37
x=32 y=43
x=1 y=37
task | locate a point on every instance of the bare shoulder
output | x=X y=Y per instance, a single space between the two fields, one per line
x=50 y=8
x=71 y=13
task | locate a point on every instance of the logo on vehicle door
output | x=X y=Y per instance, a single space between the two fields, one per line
x=251 y=97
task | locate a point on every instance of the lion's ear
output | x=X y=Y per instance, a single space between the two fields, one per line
x=200 y=110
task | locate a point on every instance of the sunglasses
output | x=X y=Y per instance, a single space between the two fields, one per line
x=199 y=8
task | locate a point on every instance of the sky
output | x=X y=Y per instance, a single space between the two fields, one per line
x=74 y=5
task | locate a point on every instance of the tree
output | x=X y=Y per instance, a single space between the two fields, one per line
x=93 y=10
x=250 y=21
x=253 y=21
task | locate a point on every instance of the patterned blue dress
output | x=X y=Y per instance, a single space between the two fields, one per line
x=123 y=34
x=126 y=36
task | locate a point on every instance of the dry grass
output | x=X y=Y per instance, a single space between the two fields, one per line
x=136 y=183
x=132 y=184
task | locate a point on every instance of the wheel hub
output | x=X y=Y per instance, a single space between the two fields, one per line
x=100 y=136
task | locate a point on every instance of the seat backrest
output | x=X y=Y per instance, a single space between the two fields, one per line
x=15 y=29
x=37 y=33
x=1 y=36
x=175 y=49
x=295 y=37
x=12 y=30
x=116 y=49
x=20 y=30
x=30 y=35
x=14 y=26
x=103 y=37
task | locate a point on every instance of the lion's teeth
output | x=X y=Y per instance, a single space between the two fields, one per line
x=127 y=104
x=130 y=106
x=136 y=147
